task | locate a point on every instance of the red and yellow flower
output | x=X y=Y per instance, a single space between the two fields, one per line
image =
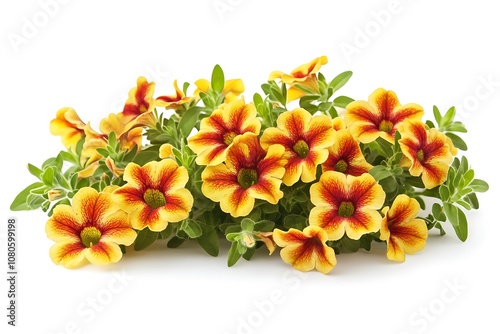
x=346 y=204
x=154 y=195
x=174 y=102
x=94 y=140
x=218 y=131
x=427 y=153
x=306 y=250
x=233 y=88
x=248 y=173
x=306 y=140
x=90 y=230
x=140 y=99
x=69 y=126
x=404 y=233
x=380 y=116
x=345 y=155
x=304 y=75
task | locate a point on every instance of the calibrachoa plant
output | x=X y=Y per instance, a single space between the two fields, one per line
x=299 y=167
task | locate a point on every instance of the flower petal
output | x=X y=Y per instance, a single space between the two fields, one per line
x=306 y=250
x=103 y=253
x=70 y=253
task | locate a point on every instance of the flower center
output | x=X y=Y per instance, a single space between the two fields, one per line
x=247 y=177
x=301 y=148
x=420 y=155
x=154 y=198
x=90 y=236
x=385 y=126
x=229 y=137
x=341 y=166
x=346 y=209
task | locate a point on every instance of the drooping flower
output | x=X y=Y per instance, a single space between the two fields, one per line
x=69 y=126
x=306 y=140
x=140 y=99
x=91 y=229
x=233 y=88
x=427 y=153
x=267 y=239
x=381 y=116
x=166 y=151
x=346 y=204
x=174 y=102
x=304 y=75
x=306 y=250
x=218 y=131
x=345 y=155
x=154 y=195
x=248 y=173
x=94 y=140
x=404 y=233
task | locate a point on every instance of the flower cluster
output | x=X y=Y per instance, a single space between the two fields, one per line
x=298 y=168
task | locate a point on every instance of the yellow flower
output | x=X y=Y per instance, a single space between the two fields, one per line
x=345 y=155
x=381 y=116
x=248 y=173
x=304 y=75
x=346 y=204
x=403 y=232
x=154 y=194
x=69 y=126
x=306 y=140
x=306 y=250
x=427 y=153
x=166 y=151
x=233 y=88
x=91 y=229
x=174 y=102
x=218 y=131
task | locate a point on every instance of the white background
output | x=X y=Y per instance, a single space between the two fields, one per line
x=88 y=54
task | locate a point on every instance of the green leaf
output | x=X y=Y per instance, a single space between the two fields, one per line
x=457 y=141
x=35 y=171
x=20 y=202
x=380 y=172
x=468 y=177
x=257 y=99
x=233 y=256
x=436 y=210
x=192 y=228
x=444 y=193
x=249 y=253
x=217 y=79
x=479 y=185
x=175 y=242
x=451 y=212
x=472 y=200
x=437 y=114
x=209 y=240
x=461 y=229
x=342 y=101
x=295 y=221
x=264 y=226
x=188 y=120
x=48 y=176
x=167 y=232
x=147 y=155
x=339 y=81
x=448 y=117
x=456 y=127
x=145 y=238
x=247 y=224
